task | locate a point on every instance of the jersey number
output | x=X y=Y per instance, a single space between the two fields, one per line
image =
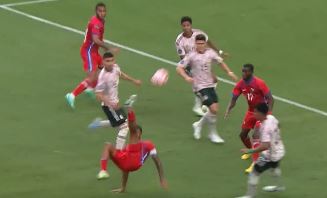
x=250 y=97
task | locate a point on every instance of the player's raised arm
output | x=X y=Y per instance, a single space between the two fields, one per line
x=159 y=167
x=229 y=72
x=126 y=77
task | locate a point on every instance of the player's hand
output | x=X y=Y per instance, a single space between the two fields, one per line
x=118 y=190
x=164 y=184
x=233 y=76
x=245 y=150
x=137 y=82
x=114 y=50
x=188 y=79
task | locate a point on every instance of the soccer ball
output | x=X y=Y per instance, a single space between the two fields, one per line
x=160 y=77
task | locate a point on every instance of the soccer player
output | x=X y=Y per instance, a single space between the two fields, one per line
x=204 y=83
x=107 y=93
x=185 y=43
x=272 y=151
x=132 y=157
x=92 y=61
x=255 y=91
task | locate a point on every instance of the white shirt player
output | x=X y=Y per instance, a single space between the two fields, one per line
x=108 y=82
x=201 y=67
x=185 y=45
x=269 y=132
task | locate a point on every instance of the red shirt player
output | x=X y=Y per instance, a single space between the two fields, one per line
x=132 y=157
x=255 y=91
x=89 y=52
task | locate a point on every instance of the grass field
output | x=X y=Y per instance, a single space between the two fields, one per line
x=47 y=150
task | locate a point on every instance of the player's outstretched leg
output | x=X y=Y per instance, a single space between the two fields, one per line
x=246 y=141
x=108 y=151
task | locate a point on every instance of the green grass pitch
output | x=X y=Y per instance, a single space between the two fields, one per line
x=46 y=149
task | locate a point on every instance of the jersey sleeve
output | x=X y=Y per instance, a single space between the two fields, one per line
x=264 y=88
x=150 y=147
x=237 y=90
x=101 y=83
x=185 y=61
x=216 y=58
x=95 y=28
x=180 y=50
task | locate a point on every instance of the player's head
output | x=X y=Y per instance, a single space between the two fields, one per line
x=139 y=131
x=247 y=71
x=108 y=61
x=100 y=10
x=186 y=23
x=200 y=42
x=261 y=111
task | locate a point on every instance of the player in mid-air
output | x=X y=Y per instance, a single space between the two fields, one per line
x=271 y=148
x=133 y=156
x=255 y=91
x=185 y=43
x=89 y=51
x=107 y=93
x=204 y=83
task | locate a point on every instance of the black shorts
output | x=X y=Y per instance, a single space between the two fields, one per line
x=208 y=96
x=115 y=117
x=262 y=165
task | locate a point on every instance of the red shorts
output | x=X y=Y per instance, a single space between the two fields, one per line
x=249 y=121
x=127 y=161
x=91 y=60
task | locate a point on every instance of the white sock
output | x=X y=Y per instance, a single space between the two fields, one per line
x=197 y=103
x=122 y=136
x=105 y=123
x=252 y=184
x=212 y=120
x=203 y=120
x=277 y=173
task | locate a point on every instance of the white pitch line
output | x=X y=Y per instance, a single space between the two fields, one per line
x=290 y=102
x=26 y=3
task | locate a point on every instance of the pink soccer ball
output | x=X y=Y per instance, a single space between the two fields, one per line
x=160 y=77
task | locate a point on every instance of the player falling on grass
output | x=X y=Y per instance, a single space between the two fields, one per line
x=133 y=156
x=107 y=93
x=255 y=91
x=185 y=43
x=271 y=150
x=89 y=51
x=204 y=83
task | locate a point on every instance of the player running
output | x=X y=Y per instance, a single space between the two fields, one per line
x=107 y=92
x=185 y=43
x=92 y=61
x=204 y=83
x=255 y=91
x=132 y=157
x=272 y=151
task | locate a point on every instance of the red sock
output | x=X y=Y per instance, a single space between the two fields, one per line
x=255 y=156
x=247 y=142
x=104 y=164
x=80 y=88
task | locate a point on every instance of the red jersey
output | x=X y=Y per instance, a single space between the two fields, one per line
x=255 y=91
x=133 y=156
x=94 y=27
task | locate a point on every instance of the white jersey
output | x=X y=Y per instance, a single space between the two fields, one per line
x=108 y=84
x=201 y=67
x=269 y=132
x=185 y=45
